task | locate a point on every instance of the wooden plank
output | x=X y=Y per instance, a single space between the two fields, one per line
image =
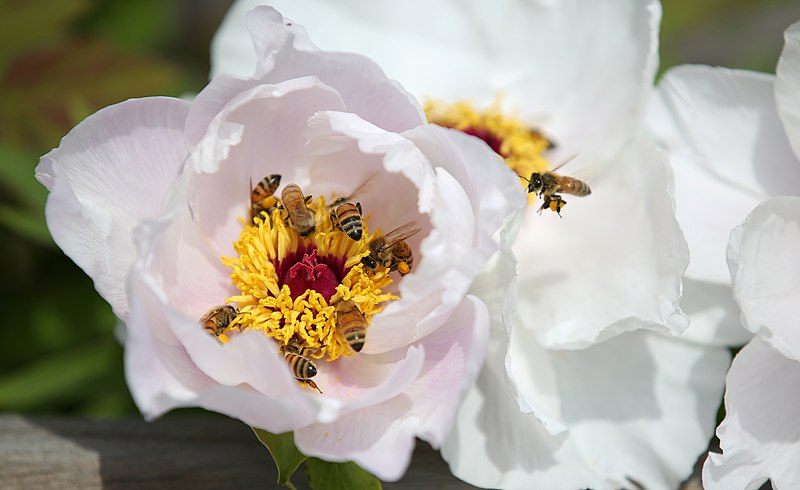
x=175 y=452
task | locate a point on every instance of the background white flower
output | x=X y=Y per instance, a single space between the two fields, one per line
x=607 y=399
x=147 y=195
x=731 y=136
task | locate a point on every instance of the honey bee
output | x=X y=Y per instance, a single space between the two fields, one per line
x=299 y=363
x=346 y=216
x=548 y=184
x=261 y=196
x=351 y=323
x=299 y=215
x=218 y=318
x=391 y=250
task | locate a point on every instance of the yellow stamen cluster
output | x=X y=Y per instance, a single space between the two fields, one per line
x=521 y=146
x=266 y=306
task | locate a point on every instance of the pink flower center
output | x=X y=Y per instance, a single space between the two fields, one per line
x=309 y=273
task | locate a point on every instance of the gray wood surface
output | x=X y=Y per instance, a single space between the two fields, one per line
x=176 y=453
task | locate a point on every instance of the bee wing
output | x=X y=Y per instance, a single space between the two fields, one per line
x=563 y=162
x=402 y=232
x=586 y=173
x=366 y=185
x=358 y=191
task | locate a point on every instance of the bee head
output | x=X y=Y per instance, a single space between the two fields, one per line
x=275 y=180
x=535 y=183
x=369 y=262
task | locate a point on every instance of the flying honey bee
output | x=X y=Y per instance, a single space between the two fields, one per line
x=299 y=363
x=299 y=215
x=218 y=318
x=391 y=250
x=548 y=184
x=347 y=216
x=261 y=196
x=351 y=323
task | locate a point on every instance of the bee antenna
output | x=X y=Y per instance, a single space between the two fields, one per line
x=521 y=177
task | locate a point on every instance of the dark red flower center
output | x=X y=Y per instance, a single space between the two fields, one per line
x=310 y=273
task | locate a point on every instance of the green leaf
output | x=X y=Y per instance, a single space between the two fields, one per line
x=44 y=90
x=35 y=22
x=31 y=226
x=287 y=457
x=70 y=375
x=17 y=176
x=323 y=475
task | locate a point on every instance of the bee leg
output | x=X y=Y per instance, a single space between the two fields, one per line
x=307 y=199
x=557 y=203
x=545 y=204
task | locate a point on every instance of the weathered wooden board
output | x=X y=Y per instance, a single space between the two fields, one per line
x=176 y=453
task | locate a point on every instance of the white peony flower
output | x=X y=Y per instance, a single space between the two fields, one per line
x=581 y=387
x=152 y=198
x=734 y=139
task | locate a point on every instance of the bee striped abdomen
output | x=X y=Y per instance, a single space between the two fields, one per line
x=352 y=324
x=347 y=217
x=302 y=368
x=571 y=185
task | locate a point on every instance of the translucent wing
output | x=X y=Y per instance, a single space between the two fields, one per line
x=402 y=232
x=563 y=162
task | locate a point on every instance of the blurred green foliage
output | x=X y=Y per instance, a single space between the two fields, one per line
x=61 y=60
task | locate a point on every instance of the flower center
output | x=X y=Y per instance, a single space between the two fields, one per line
x=290 y=286
x=522 y=147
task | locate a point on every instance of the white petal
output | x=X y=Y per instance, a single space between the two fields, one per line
x=765 y=269
x=728 y=151
x=713 y=313
x=641 y=406
x=787 y=85
x=284 y=52
x=494 y=445
x=760 y=437
x=518 y=48
x=380 y=437
x=110 y=172
x=618 y=254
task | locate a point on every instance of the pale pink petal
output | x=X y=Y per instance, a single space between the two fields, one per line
x=110 y=172
x=760 y=436
x=270 y=122
x=765 y=270
x=284 y=52
x=617 y=254
x=380 y=438
x=728 y=150
x=787 y=86
x=451 y=247
x=162 y=372
x=517 y=48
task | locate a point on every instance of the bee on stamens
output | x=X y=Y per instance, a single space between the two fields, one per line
x=261 y=196
x=218 y=319
x=351 y=324
x=301 y=366
x=298 y=214
x=391 y=250
x=347 y=216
